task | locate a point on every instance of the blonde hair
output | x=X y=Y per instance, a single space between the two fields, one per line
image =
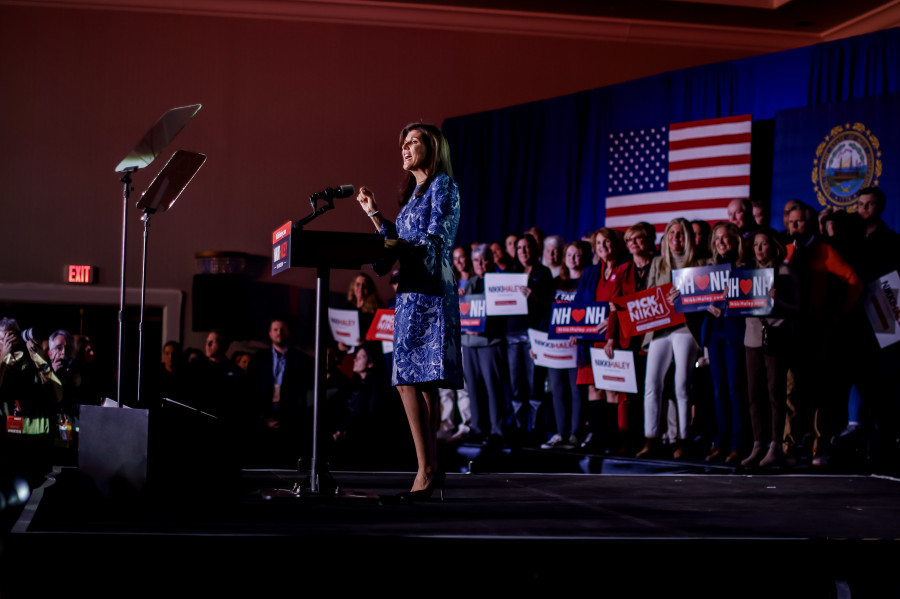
x=668 y=258
x=732 y=231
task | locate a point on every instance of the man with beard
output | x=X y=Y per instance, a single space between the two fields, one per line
x=879 y=254
x=881 y=246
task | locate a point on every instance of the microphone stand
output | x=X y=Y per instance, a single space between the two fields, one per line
x=319 y=476
x=317 y=212
x=319 y=250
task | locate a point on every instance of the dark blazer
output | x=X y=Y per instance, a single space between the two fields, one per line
x=299 y=370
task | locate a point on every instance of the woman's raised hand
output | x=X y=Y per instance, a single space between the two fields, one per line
x=366 y=200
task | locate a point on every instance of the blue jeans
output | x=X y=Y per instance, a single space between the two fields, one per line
x=727 y=368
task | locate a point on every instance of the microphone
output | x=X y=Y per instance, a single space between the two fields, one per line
x=344 y=191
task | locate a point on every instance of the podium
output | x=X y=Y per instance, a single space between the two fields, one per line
x=294 y=247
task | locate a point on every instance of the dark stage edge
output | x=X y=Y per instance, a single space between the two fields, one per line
x=635 y=535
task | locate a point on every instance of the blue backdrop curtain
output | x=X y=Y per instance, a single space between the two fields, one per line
x=544 y=163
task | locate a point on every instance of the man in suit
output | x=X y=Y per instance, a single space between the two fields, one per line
x=283 y=375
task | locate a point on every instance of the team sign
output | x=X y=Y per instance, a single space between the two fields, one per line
x=646 y=311
x=700 y=286
x=564 y=296
x=382 y=328
x=344 y=326
x=552 y=353
x=577 y=319
x=748 y=292
x=472 y=313
x=616 y=374
x=505 y=293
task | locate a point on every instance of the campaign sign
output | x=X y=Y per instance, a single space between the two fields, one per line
x=882 y=308
x=472 y=314
x=344 y=326
x=579 y=319
x=552 y=353
x=646 y=311
x=700 y=286
x=564 y=296
x=382 y=327
x=617 y=374
x=748 y=292
x=281 y=248
x=505 y=293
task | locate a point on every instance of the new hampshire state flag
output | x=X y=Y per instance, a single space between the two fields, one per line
x=825 y=154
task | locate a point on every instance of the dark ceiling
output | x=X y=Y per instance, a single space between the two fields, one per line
x=810 y=16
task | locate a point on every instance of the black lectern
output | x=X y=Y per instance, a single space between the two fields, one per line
x=323 y=250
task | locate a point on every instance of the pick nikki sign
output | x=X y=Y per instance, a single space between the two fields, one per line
x=646 y=311
x=579 y=319
x=382 y=327
x=472 y=313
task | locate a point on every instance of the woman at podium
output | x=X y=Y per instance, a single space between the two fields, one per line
x=426 y=319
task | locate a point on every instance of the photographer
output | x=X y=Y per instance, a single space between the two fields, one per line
x=29 y=394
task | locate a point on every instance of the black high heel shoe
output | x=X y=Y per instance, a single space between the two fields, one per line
x=437 y=482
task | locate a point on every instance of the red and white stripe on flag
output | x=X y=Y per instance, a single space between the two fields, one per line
x=708 y=166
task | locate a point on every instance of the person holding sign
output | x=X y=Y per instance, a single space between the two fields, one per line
x=567 y=400
x=767 y=351
x=664 y=345
x=599 y=283
x=361 y=296
x=427 y=352
x=525 y=379
x=462 y=266
x=632 y=279
x=484 y=365
x=724 y=337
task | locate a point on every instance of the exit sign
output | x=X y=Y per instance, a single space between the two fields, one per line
x=81 y=274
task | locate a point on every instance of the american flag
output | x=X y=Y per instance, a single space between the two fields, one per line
x=692 y=170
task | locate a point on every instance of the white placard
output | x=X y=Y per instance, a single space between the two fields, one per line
x=344 y=326
x=617 y=374
x=504 y=293
x=552 y=353
x=882 y=308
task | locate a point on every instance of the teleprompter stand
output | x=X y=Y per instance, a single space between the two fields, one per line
x=293 y=247
x=113 y=446
x=160 y=135
x=159 y=197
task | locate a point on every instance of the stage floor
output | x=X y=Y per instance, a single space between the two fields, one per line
x=505 y=531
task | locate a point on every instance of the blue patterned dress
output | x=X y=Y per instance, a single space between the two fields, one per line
x=426 y=318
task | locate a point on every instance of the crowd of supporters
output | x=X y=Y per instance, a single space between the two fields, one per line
x=808 y=382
